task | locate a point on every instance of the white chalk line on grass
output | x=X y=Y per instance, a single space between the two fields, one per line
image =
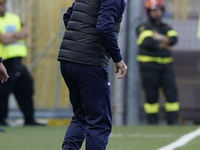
x=120 y=135
x=182 y=140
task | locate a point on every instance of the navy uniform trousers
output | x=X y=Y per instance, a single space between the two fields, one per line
x=89 y=90
x=155 y=75
x=21 y=84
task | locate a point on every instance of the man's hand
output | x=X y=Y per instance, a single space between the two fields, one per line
x=164 y=41
x=163 y=45
x=169 y=48
x=13 y=37
x=22 y=34
x=7 y=38
x=121 y=65
x=159 y=37
x=3 y=73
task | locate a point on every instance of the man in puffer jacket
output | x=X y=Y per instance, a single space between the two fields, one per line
x=89 y=42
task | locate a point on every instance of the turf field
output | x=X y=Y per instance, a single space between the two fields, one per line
x=122 y=138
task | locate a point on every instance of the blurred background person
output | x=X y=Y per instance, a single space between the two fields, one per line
x=155 y=41
x=12 y=50
x=3 y=76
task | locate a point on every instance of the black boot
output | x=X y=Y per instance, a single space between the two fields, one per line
x=172 y=118
x=3 y=123
x=32 y=122
x=152 y=119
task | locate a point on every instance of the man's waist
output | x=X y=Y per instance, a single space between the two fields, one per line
x=83 y=58
x=12 y=61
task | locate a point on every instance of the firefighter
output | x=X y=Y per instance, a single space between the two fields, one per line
x=155 y=41
x=12 y=50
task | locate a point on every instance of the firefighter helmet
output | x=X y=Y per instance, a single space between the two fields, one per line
x=153 y=4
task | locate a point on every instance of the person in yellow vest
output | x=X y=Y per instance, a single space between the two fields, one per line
x=12 y=50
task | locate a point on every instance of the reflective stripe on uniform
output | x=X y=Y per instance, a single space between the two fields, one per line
x=170 y=107
x=151 y=108
x=160 y=60
x=144 y=34
x=171 y=33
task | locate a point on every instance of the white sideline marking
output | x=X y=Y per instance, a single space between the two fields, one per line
x=119 y=135
x=182 y=140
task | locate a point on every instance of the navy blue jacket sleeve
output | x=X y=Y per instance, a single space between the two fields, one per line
x=107 y=16
x=67 y=15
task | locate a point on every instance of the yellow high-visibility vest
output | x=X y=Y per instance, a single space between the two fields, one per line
x=198 y=32
x=8 y=24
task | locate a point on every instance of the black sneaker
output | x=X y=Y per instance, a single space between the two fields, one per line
x=33 y=123
x=3 y=123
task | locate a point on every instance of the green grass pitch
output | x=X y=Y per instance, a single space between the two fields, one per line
x=122 y=138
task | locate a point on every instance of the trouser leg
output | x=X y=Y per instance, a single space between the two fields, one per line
x=76 y=131
x=170 y=91
x=75 y=134
x=92 y=83
x=23 y=92
x=97 y=102
x=5 y=90
x=150 y=75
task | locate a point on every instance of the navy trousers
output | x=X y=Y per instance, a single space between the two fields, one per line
x=155 y=75
x=90 y=96
x=21 y=84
